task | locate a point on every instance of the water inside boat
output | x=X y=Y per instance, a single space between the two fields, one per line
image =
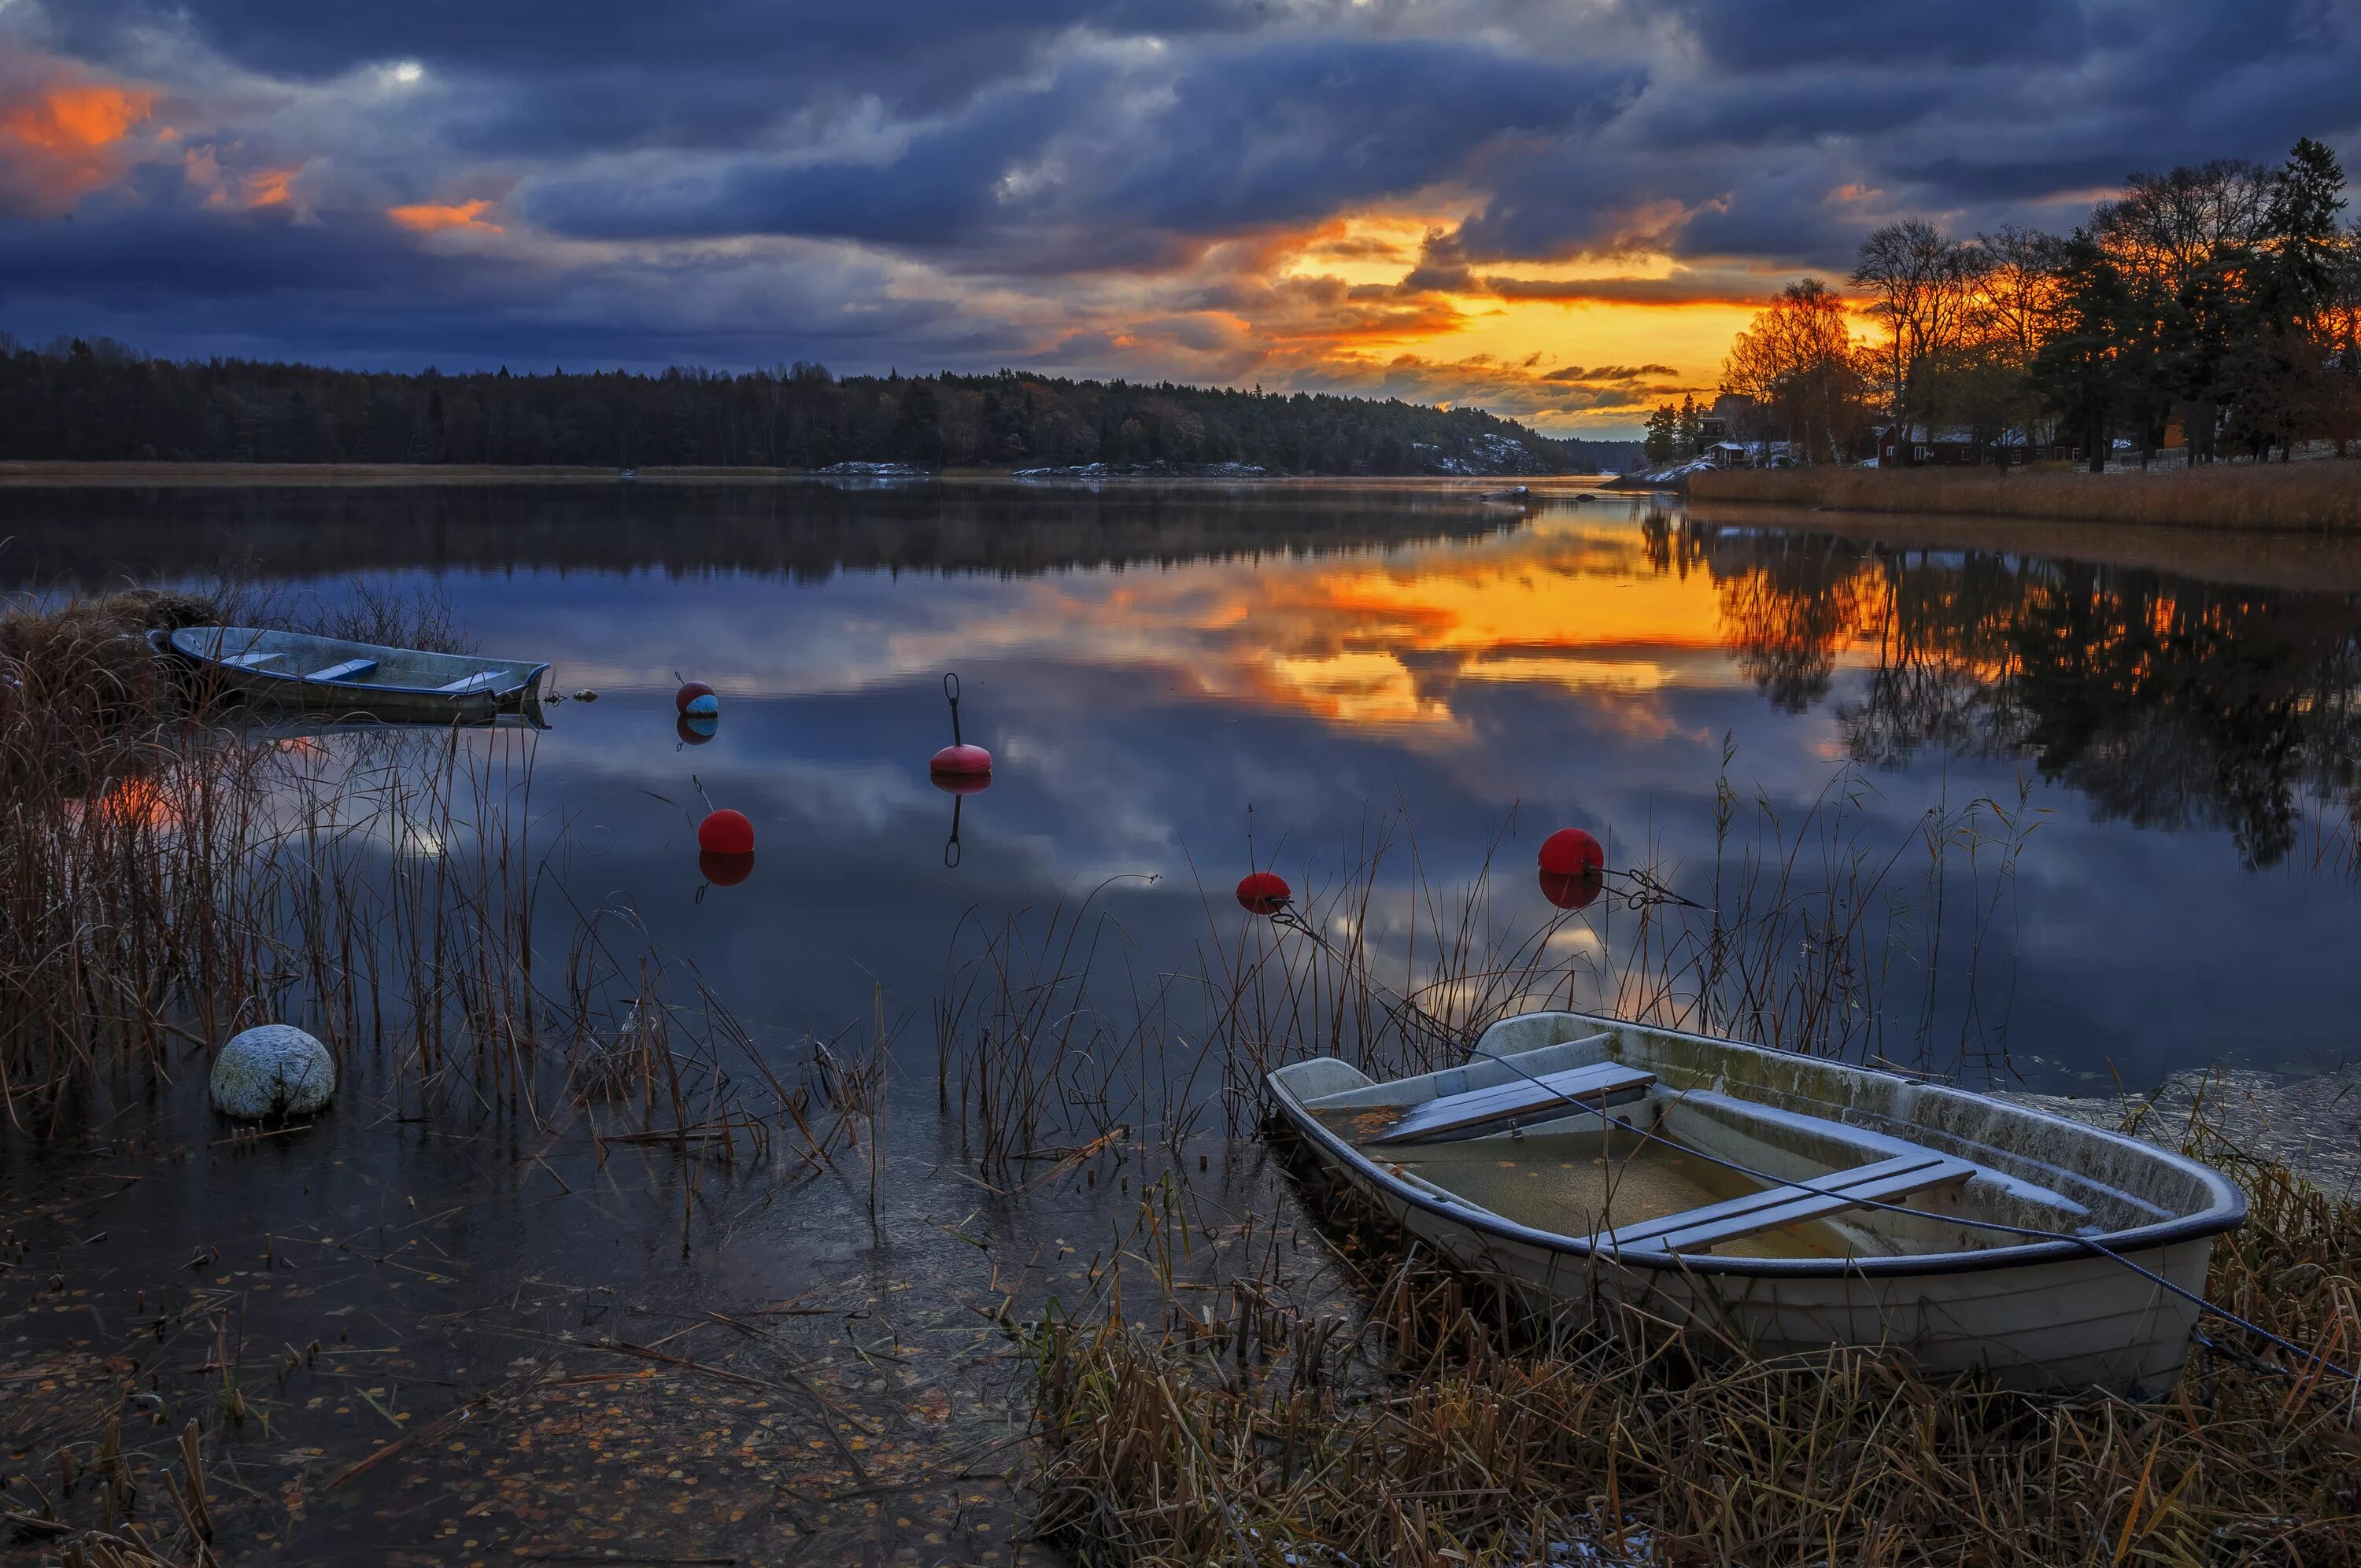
x=1577 y=1183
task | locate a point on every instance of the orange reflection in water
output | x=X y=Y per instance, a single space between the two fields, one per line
x=1393 y=639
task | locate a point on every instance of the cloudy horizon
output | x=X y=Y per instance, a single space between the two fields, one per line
x=1557 y=212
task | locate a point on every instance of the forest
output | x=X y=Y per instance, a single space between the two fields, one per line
x=100 y=402
x=2214 y=308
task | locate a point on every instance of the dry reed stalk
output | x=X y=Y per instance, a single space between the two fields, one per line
x=2243 y=496
x=1494 y=1436
x=169 y=875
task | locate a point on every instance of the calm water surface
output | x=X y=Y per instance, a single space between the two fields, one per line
x=1145 y=665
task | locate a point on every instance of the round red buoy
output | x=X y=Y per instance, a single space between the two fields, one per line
x=1570 y=852
x=960 y=783
x=961 y=761
x=726 y=832
x=696 y=696
x=1575 y=890
x=1262 y=892
x=697 y=728
x=725 y=871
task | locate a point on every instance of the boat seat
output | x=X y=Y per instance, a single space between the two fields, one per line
x=470 y=682
x=248 y=660
x=344 y=671
x=1597 y=1087
x=1699 y=1230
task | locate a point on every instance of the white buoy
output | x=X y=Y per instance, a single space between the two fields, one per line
x=272 y=1070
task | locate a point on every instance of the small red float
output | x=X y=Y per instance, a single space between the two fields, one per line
x=725 y=871
x=953 y=781
x=1262 y=892
x=1576 y=890
x=961 y=763
x=696 y=728
x=726 y=832
x=693 y=692
x=1570 y=852
x=959 y=759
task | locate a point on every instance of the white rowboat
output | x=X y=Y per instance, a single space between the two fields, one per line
x=329 y=674
x=1631 y=1201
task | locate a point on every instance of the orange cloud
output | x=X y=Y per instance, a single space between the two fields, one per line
x=79 y=118
x=435 y=217
x=268 y=189
x=64 y=139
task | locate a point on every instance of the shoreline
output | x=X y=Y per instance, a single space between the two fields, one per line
x=2318 y=496
x=59 y=475
x=2299 y=560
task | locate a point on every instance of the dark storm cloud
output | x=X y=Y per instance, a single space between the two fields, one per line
x=941 y=181
x=580 y=74
x=1749 y=34
x=1234 y=139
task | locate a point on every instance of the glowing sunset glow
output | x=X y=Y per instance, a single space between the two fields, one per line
x=269 y=188
x=72 y=117
x=433 y=217
x=1560 y=215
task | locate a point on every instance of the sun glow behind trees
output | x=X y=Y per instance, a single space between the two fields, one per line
x=2221 y=300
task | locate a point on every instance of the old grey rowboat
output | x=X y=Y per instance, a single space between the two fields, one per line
x=1501 y=1172
x=293 y=669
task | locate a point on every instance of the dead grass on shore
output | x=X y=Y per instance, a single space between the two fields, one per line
x=1474 y=1433
x=2323 y=494
x=174 y=870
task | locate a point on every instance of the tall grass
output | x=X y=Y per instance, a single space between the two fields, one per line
x=173 y=872
x=2315 y=495
x=1453 y=1425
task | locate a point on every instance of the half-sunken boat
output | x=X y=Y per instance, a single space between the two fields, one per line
x=1602 y=1164
x=329 y=674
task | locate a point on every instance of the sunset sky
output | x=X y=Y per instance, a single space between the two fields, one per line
x=1557 y=211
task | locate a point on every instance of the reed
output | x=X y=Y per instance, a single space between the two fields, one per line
x=172 y=873
x=2319 y=494
x=1454 y=1427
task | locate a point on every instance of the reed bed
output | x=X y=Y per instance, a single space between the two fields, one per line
x=173 y=872
x=2318 y=495
x=1817 y=930
x=1279 y=1392
x=1456 y=1427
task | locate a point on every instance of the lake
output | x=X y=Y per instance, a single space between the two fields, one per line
x=2141 y=748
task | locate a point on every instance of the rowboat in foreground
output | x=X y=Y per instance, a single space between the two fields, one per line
x=1591 y=1161
x=294 y=669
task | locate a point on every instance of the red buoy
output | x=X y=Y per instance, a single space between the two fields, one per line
x=1570 y=852
x=726 y=832
x=1262 y=892
x=696 y=728
x=960 y=783
x=725 y=871
x=693 y=692
x=961 y=762
x=1574 y=891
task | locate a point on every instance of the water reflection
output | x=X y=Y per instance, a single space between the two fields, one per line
x=1144 y=664
x=2164 y=702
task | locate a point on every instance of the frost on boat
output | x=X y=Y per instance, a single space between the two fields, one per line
x=1598 y=1162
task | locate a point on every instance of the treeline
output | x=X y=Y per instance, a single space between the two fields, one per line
x=99 y=401
x=2219 y=303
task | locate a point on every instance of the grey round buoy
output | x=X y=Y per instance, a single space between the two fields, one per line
x=273 y=1071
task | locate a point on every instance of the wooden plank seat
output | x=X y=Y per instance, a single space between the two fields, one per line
x=1699 y=1230
x=1545 y=1097
x=470 y=682
x=348 y=670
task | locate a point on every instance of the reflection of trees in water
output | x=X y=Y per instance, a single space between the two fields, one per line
x=804 y=531
x=2168 y=703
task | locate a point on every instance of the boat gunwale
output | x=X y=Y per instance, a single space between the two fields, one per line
x=527 y=685
x=2226 y=1212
